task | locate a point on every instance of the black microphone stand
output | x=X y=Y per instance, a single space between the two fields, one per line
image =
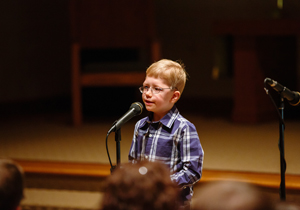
x=135 y=109
x=282 y=192
x=118 y=150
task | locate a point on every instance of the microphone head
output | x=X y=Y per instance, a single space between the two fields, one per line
x=268 y=81
x=296 y=100
x=138 y=107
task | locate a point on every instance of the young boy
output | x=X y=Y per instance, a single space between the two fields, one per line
x=165 y=135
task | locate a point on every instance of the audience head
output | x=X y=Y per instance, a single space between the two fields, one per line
x=11 y=185
x=231 y=195
x=288 y=205
x=140 y=186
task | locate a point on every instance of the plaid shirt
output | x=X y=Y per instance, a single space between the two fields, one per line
x=174 y=141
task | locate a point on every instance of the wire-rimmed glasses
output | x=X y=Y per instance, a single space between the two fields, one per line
x=154 y=90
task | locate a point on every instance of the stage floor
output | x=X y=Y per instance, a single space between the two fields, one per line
x=227 y=145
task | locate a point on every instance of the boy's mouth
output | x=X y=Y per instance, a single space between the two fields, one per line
x=148 y=102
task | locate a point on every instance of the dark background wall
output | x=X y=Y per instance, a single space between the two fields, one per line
x=34 y=50
x=35 y=44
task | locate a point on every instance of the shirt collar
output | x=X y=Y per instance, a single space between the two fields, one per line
x=167 y=120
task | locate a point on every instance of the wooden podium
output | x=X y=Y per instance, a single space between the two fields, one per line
x=261 y=48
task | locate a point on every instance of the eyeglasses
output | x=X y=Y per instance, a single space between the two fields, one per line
x=155 y=90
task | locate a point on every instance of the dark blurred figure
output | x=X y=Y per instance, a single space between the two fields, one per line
x=11 y=185
x=287 y=205
x=141 y=186
x=231 y=195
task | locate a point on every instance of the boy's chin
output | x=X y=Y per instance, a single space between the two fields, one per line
x=149 y=108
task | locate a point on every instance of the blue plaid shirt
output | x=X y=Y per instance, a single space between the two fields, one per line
x=174 y=141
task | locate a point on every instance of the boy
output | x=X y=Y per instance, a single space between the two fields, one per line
x=165 y=135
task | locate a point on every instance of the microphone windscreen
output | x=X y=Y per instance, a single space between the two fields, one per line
x=138 y=107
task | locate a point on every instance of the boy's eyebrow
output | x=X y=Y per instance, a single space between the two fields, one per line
x=146 y=84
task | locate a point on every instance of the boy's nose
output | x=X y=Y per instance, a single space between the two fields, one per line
x=149 y=91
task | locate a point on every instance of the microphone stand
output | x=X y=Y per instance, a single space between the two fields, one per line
x=118 y=150
x=135 y=109
x=281 y=149
x=282 y=192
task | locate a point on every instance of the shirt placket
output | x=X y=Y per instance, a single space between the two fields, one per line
x=144 y=143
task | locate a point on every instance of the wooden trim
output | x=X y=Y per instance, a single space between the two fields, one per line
x=269 y=180
x=113 y=79
x=256 y=27
x=65 y=168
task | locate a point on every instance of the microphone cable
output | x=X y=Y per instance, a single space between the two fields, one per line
x=107 y=151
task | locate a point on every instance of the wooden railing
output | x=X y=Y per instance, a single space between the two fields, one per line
x=268 y=180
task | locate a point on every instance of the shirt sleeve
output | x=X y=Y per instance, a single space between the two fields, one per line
x=191 y=154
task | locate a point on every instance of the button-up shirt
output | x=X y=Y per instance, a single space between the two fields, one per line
x=174 y=141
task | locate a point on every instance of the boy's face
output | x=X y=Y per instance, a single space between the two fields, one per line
x=160 y=103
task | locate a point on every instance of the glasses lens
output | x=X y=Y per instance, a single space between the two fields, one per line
x=144 y=89
x=141 y=89
x=156 y=90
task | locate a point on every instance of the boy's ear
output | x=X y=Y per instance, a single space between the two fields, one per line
x=175 y=97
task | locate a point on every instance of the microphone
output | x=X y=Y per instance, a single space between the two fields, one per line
x=135 y=109
x=292 y=96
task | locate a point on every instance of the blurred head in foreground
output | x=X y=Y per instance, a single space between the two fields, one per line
x=141 y=186
x=231 y=195
x=11 y=185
